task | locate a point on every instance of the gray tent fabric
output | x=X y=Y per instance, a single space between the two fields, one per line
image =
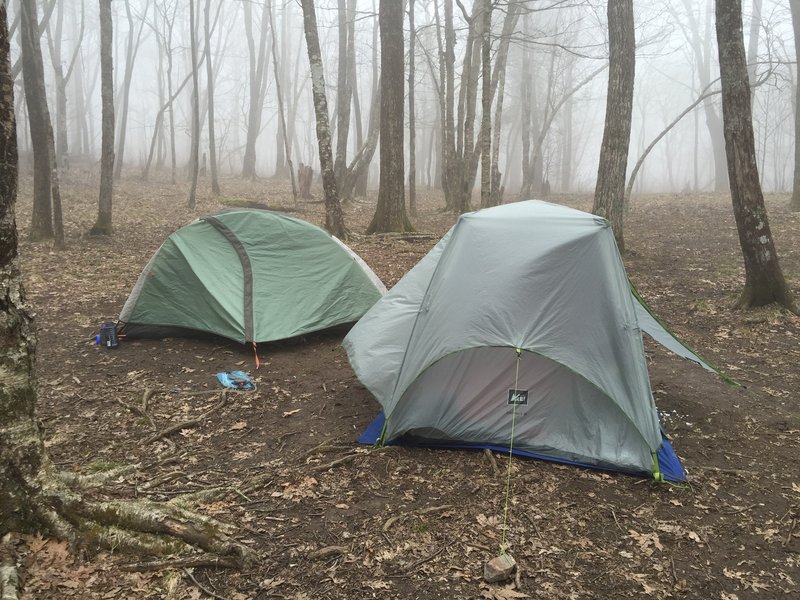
x=529 y=296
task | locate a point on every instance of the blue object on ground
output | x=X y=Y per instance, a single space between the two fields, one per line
x=236 y=380
x=669 y=464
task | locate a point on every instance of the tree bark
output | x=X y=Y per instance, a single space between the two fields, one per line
x=390 y=213
x=130 y=60
x=212 y=142
x=257 y=86
x=794 y=204
x=194 y=157
x=764 y=281
x=609 y=194
x=281 y=112
x=38 y=121
x=344 y=93
x=104 y=215
x=334 y=219
x=486 y=106
x=701 y=46
x=412 y=125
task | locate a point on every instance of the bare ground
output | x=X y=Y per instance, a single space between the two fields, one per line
x=328 y=518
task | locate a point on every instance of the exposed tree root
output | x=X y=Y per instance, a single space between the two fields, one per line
x=8 y=576
x=136 y=526
x=197 y=561
x=82 y=482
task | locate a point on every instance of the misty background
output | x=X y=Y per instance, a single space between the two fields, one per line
x=553 y=98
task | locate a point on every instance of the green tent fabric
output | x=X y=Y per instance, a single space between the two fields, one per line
x=251 y=276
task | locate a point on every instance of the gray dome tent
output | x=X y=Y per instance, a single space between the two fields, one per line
x=522 y=314
x=251 y=276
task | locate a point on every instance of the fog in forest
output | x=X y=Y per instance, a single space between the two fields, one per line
x=552 y=86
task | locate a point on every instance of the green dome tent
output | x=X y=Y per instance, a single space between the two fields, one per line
x=251 y=276
x=518 y=329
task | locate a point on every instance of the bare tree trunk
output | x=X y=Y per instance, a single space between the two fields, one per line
x=48 y=12
x=212 y=142
x=390 y=212
x=637 y=167
x=795 y=201
x=566 y=138
x=195 y=149
x=38 y=120
x=752 y=46
x=81 y=131
x=279 y=91
x=344 y=93
x=486 y=106
x=334 y=219
x=361 y=182
x=412 y=125
x=609 y=194
x=701 y=46
x=356 y=173
x=764 y=281
x=103 y=224
x=130 y=60
x=257 y=83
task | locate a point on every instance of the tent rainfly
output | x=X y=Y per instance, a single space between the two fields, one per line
x=521 y=319
x=251 y=276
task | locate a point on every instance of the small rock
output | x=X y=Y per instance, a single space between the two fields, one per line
x=499 y=568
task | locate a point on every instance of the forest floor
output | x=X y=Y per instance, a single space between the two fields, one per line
x=333 y=519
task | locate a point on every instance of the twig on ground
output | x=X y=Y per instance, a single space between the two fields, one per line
x=790 y=534
x=415 y=565
x=739 y=511
x=492 y=460
x=327 y=552
x=202 y=587
x=337 y=462
x=325 y=446
x=190 y=423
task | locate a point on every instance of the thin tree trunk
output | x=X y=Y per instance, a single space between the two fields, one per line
x=609 y=195
x=194 y=158
x=794 y=204
x=764 y=281
x=257 y=82
x=486 y=106
x=412 y=125
x=278 y=89
x=103 y=224
x=343 y=94
x=637 y=167
x=130 y=60
x=334 y=218
x=212 y=142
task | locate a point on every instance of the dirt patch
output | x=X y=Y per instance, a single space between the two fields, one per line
x=328 y=518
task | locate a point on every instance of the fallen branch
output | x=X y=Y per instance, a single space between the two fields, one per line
x=191 y=423
x=336 y=462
